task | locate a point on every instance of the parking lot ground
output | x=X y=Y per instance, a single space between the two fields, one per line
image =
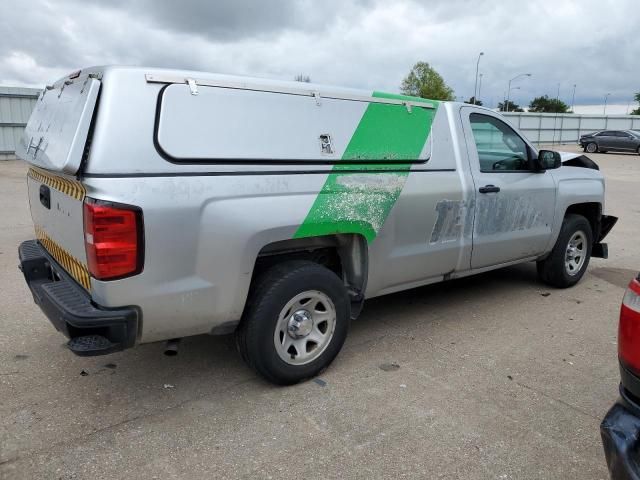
x=493 y=376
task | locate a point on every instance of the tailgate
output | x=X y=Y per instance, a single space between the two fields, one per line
x=56 y=134
x=56 y=204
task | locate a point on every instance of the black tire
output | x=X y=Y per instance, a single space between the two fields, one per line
x=638 y=150
x=552 y=270
x=591 y=147
x=269 y=294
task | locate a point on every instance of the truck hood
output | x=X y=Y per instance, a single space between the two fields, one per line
x=571 y=159
x=569 y=155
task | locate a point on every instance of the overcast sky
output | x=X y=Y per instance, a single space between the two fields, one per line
x=359 y=43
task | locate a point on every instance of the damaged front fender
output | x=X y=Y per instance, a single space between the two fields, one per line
x=607 y=222
x=599 y=249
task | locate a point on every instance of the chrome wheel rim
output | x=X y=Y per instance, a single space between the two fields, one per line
x=305 y=327
x=576 y=253
x=591 y=147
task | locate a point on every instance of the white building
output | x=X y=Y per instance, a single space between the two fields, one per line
x=16 y=105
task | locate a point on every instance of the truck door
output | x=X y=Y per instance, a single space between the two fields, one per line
x=514 y=206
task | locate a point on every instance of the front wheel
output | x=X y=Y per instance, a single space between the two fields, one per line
x=591 y=147
x=569 y=259
x=295 y=322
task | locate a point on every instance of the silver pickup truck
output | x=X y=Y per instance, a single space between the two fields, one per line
x=174 y=203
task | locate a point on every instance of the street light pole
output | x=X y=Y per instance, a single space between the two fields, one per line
x=475 y=89
x=606 y=97
x=480 y=86
x=508 y=100
x=573 y=98
x=509 y=90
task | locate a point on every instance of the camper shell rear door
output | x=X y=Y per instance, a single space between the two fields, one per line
x=57 y=131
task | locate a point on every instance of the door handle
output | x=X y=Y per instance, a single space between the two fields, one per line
x=489 y=189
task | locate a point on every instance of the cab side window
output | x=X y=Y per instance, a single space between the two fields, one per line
x=499 y=147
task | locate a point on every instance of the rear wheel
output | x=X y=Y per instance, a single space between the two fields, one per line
x=295 y=322
x=570 y=256
x=591 y=147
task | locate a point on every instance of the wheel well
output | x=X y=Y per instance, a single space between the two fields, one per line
x=344 y=254
x=592 y=212
x=325 y=256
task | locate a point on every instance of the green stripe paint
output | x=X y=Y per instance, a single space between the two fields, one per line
x=361 y=202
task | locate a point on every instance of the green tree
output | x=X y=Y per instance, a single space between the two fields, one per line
x=637 y=99
x=545 y=104
x=423 y=81
x=513 y=107
x=471 y=101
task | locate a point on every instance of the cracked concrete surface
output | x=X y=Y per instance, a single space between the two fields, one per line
x=484 y=377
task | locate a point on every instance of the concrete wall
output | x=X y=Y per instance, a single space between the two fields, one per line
x=16 y=105
x=567 y=127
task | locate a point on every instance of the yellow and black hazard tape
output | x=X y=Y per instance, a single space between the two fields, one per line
x=72 y=188
x=72 y=266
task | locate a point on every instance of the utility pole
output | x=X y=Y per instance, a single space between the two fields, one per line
x=475 y=89
x=573 y=98
x=606 y=97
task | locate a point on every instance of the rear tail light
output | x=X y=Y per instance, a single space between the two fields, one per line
x=113 y=239
x=629 y=328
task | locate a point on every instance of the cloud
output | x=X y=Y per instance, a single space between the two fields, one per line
x=230 y=21
x=361 y=43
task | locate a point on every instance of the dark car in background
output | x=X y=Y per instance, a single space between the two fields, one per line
x=620 y=429
x=614 y=140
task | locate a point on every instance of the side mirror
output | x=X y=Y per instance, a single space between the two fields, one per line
x=547 y=160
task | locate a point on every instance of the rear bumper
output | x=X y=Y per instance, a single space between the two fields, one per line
x=620 y=432
x=91 y=329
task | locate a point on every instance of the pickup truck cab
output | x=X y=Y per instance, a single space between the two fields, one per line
x=173 y=203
